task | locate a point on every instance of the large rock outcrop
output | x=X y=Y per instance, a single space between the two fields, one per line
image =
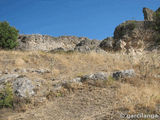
x=133 y=36
x=62 y=43
x=130 y=36
x=47 y=43
x=58 y=44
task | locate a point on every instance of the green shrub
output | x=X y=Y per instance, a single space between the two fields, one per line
x=8 y=36
x=6 y=97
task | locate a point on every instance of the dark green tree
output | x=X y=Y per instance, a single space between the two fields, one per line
x=8 y=36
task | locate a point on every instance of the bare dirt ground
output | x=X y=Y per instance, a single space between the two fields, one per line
x=91 y=103
x=85 y=103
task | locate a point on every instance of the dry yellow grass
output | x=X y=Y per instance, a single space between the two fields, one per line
x=134 y=94
x=68 y=64
x=139 y=99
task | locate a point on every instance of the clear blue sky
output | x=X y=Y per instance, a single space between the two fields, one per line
x=95 y=19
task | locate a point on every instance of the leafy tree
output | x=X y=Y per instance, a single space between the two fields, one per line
x=8 y=36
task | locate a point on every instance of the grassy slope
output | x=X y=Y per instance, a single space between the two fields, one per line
x=138 y=94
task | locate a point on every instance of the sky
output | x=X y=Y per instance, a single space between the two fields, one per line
x=95 y=19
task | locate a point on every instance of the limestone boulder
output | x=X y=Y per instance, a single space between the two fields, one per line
x=23 y=87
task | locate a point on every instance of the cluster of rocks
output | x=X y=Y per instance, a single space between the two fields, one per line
x=94 y=77
x=24 y=87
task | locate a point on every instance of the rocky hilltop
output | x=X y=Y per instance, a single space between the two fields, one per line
x=45 y=42
x=63 y=43
x=130 y=36
x=133 y=36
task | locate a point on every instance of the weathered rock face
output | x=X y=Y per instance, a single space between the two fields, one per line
x=88 y=45
x=58 y=44
x=107 y=44
x=133 y=36
x=127 y=28
x=148 y=14
x=23 y=87
x=130 y=36
x=47 y=43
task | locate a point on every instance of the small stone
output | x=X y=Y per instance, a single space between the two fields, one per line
x=41 y=71
x=77 y=80
x=96 y=76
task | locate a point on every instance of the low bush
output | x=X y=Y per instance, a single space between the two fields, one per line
x=6 y=97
